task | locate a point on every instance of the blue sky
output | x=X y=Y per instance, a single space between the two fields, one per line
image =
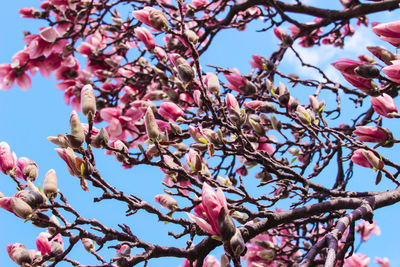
x=28 y=117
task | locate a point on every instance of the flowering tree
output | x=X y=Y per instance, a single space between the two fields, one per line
x=142 y=77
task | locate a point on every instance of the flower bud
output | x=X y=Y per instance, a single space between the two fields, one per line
x=151 y=125
x=59 y=140
x=20 y=207
x=158 y=20
x=26 y=169
x=213 y=83
x=185 y=72
x=101 y=139
x=192 y=36
x=237 y=243
x=77 y=135
x=88 y=244
x=50 y=184
x=367 y=71
x=284 y=94
x=7 y=159
x=225 y=225
x=34 y=199
x=88 y=100
x=373 y=160
x=19 y=254
x=166 y=201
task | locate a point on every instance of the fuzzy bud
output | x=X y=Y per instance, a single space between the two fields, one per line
x=88 y=100
x=185 y=72
x=50 y=184
x=20 y=207
x=225 y=225
x=88 y=244
x=166 y=201
x=367 y=71
x=151 y=125
x=77 y=135
x=158 y=20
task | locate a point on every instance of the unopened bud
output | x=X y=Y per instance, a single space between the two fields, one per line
x=213 y=83
x=59 y=140
x=56 y=247
x=166 y=201
x=101 y=139
x=19 y=254
x=88 y=244
x=185 y=72
x=367 y=71
x=237 y=243
x=50 y=184
x=77 y=135
x=158 y=20
x=192 y=36
x=88 y=100
x=284 y=94
x=373 y=160
x=34 y=199
x=20 y=207
x=267 y=107
x=151 y=125
x=225 y=225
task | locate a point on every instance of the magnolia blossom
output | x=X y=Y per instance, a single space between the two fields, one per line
x=73 y=161
x=384 y=105
x=207 y=212
x=370 y=134
x=366 y=159
x=170 y=111
x=383 y=262
x=393 y=71
x=146 y=37
x=388 y=32
x=366 y=229
x=357 y=260
x=7 y=159
x=235 y=80
x=46 y=246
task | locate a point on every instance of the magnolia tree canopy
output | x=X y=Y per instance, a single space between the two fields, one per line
x=248 y=165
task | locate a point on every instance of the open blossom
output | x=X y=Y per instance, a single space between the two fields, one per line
x=7 y=159
x=366 y=229
x=371 y=134
x=170 y=111
x=357 y=260
x=207 y=212
x=384 y=105
x=15 y=72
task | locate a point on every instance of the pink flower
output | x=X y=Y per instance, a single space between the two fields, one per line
x=146 y=37
x=384 y=105
x=232 y=103
x=370 y=134
x=170 y=111
x=264 y=146
x=142 y=15
x=46 y=246
x=29 y=12
x=389 y=32
x=366 y=229
x=11 y=73
x=7 y=159
x=393 y=71
x=5 y=203
x=206 y=213
x=235 y=80
x=346 y=66
x=383 y=262
x=258 y=62
x=199 y=3
x=73 y=161
x=26 y=169
x=366 y=159
x=357 y=260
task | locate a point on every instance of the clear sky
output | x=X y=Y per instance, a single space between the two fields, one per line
x=28 y=117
